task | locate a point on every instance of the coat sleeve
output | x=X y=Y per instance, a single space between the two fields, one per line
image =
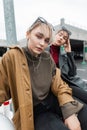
x=67 y=65
x=4 y=84
x=61 y=89
x=63 y=92
x=71 y=64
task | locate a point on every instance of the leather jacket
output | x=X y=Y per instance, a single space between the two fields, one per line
x=69 y=75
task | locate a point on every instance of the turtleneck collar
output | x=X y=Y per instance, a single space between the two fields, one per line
x=31 y=56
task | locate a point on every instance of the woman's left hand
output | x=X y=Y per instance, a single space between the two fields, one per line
x=67 y=46
x=73 y=123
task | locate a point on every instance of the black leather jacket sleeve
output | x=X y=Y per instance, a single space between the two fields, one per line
x=67 y=64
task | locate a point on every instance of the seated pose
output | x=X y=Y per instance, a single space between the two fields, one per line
x=41 y=99
x=65 y=61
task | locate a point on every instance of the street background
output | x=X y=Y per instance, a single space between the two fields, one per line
x=82 y=69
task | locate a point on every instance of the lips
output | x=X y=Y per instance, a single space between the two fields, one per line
x=59 y=41
x=39 y=49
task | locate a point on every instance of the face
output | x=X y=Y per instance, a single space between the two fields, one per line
x=38 y=39
x=61 y=38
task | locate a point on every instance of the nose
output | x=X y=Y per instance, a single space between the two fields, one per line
x=61 y=37
x=42 y=42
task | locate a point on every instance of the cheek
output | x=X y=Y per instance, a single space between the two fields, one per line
x=63 y=42
x=33 y=41
x=56 y=37
x=45 y=45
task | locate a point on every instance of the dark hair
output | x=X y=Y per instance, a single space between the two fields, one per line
x=63 y=28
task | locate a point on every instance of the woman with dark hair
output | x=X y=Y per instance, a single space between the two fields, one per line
x=64 y=59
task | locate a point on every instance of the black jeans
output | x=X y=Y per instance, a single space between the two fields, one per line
x=48 y=116
x=79 y=93
x=82 y=116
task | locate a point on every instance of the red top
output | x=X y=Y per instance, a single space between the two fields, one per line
x=54 y=50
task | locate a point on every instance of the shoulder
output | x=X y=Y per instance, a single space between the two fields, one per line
x=15 y=49
x=12 y=52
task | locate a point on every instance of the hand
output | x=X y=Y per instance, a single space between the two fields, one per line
x=67 y=46
x=73 y=123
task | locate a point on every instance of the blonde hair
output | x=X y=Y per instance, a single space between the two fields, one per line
x=39 y=22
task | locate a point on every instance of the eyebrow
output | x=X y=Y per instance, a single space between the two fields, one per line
x=41 y=34
x=63 y=33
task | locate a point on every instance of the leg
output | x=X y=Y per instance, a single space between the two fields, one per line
x=79 y=93
x=82 y=116
x=49 y=121
x=48 y=116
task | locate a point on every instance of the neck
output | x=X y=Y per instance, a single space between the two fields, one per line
x=32 y=53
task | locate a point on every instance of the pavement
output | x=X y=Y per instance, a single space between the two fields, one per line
x=82 y=69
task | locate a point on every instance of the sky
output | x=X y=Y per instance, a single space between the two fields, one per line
x=26 y=12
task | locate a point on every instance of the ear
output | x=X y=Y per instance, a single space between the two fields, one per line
x=27 y=35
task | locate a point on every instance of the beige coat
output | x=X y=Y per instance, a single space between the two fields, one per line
x=15 y=83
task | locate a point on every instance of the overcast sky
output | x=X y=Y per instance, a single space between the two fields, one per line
x=26 y=11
